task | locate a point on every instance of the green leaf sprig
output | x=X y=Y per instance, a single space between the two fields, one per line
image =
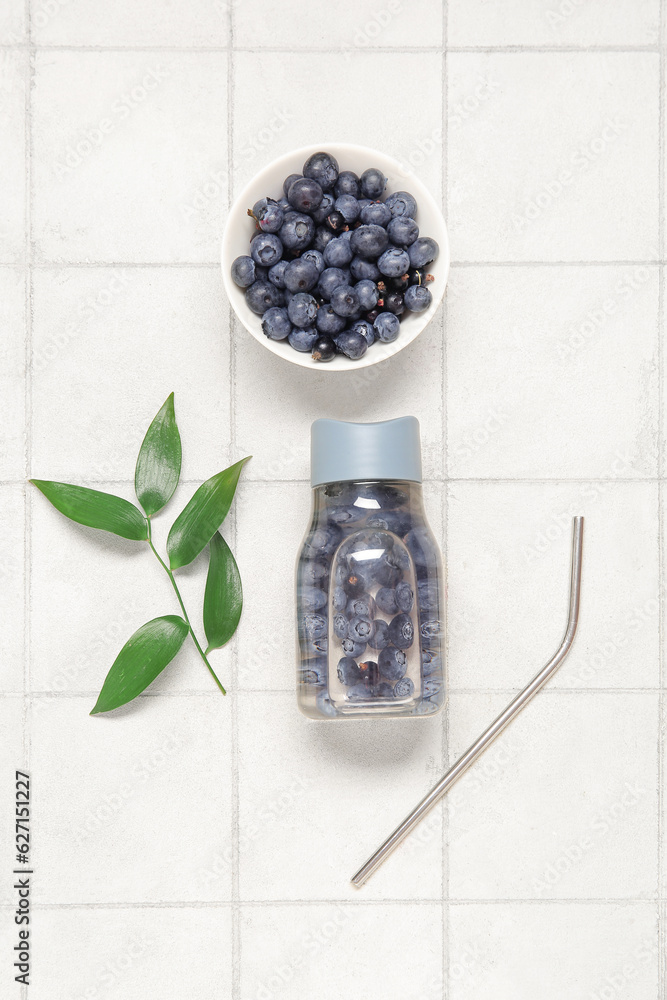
x=152 y=647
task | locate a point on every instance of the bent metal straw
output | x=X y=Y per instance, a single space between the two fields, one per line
x=496 y=727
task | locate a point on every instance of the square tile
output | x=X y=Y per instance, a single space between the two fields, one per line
x=509 y=557
x=11 y=759
x=292 y=116
x=12 y=374
x=317 y=799
x=537 y=173
x=12 y=22
x=109 y=345
x=123 y=817
x=354 y=28
x=267 y=385
x=150 y=23
x=512 y=22
x=13 y=82
x=12 y=579
x=568 y=807
x=91 y=590
x=514 y=951
x=561 y=395
x=115 y=140
x=333 y=951
x=132 y=953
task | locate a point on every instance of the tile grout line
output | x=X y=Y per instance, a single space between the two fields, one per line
x=341 y=50
x=445 y=943
x=661 y=297
x=342 y=900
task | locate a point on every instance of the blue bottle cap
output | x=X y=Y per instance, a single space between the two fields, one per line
x=342 y=451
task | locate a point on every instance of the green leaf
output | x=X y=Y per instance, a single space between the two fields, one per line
x=140 y=660
x=202 y=516
x=159 y=461
x=95 y=509
x=223 y=597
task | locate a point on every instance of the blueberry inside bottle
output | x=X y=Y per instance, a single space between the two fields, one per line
x=369 y=578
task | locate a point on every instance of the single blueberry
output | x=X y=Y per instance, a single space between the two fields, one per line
x=402 y=203
x=352 y=344
x=347 y=183
x=376 y=213
x=324 y=208
x=386 y=600
x=323 y=168
x=383 y=690
x=312 y=598
x=321 y=238
x=303 y=339
x=391 y=520
x=394 y=262
x=316 y=258
x=313 y=571
x=305 y=194
x=323 y=541
x=348 y=206
x=324 y=349
x=328 y=322
x=370 y=672
x=368 y=294
x=364 y=270
x=330 y=279
x=404 y=596
x=362 y=606
x=431 y=629
x=312 y=676
x=380 y=634
x=276 y=323
x=402 y=230
x=289 y=181
x=320 y=645
x=372 y=183
x=349 y=514
x=270 y=216
x=402 y=631
x=262 y=295
x=338 y=253
x=363 y=328
x=300 y=275
x=243 y=271
x=359 y=692
x=431 y=663
x=348 y=671
x=335 y=221
x=277 y=274
x=339 y=599
x=430 y=687
x=387 y=327
x=393 y=303
x=297 y=231
x=393 y=663
x=325 y=706
x=360 y=629
x=302 y=309
x=284 y=204
x=370 y=242
x=315 y=626
x=423 y=251
x=418 y=298
x=428 y=596
x=353 y=648
x=404 y=688
x=266 y=249
x=340 y=625
x=345 y=301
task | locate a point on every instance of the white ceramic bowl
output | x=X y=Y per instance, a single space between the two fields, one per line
x=269 y=183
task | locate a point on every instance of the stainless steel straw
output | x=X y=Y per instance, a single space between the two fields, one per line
x=496 y=727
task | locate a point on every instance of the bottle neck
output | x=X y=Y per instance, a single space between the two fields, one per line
x=372 y=495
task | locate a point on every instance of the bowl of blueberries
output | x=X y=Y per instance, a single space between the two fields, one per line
x=334 y=257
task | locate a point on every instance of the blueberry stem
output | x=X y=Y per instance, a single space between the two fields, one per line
x=180 y=601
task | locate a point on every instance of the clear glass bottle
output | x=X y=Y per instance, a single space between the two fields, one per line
x=368 y=588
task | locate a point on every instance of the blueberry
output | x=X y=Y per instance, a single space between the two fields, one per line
x=289 y=181
x=347 y=183
x=394 y=303
x=420 y=547
x=324 y=349
x=312 y=676
x=340 y=625
x=328 y=322
x=391 y=520
x=370 y=672
x=243 y=271
x=315 y=626
x=348 y=671
x=404 y=688
x=262 y=295
x=417 y=298
x=316 y=258
x=302 y=309
x=312 y=598
x=345 y=301
x=362 y=606
x=323 y=541
x=399 y=284
x=353 y=648
x=303 y=339
x=338 y=253
x=383 y=690
x=423 y=251
x=270 y=216
x=277 y=274
x=387 y=327
x=323 y=168
x=352 y=344
x=335 y=221
x=375 y=213
x=364 y=328
x=364 y=270
x=370 y=242
x=359 y=692
x=431 y=629
x=386 y=573
x=305 y=194
x=402 y=631
x=392 y=663
x=348 y=514
x=359 y=629
x=386 y=600
x=339 y=600
x=394 y=262
x=367 y=292
x=320 y=645
x=297 y=231
x=276 y=323
x=431 y=663
x=348 y=206
x=300 y=275
x=428 y=596
x=313 y=571
x=403 y=231
x=266 y=249
x=404 y=596
x=324 y=208
x=380 y=634
x=372 y=183
x=284 y=204
x=357 y=581
x=329 y=279
x=431 y=686
x=321 y=238
x=325 y=706
x=402 y=203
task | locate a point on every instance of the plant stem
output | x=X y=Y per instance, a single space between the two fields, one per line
x=180 y=601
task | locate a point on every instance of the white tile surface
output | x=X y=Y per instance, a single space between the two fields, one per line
x=12 y=373
x=12 y=583
x=13 y=82
x=12 y=22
